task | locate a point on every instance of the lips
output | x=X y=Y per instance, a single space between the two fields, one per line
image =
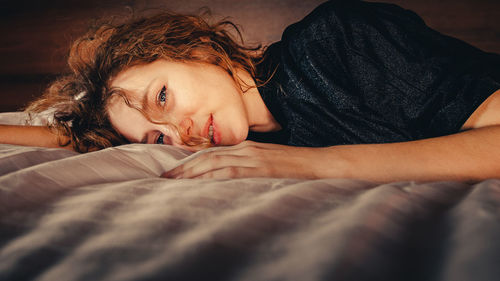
x=206 y=128
x=214 y=135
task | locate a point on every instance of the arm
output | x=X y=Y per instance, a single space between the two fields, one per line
x=468 y=156
x=471 y=155
x=31 y=136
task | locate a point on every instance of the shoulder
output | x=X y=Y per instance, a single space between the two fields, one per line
x=348 y=21
x=344 y=13
x=486 y=114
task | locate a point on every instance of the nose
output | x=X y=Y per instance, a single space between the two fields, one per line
x=186 y=126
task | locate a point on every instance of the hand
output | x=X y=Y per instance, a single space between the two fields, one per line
x=250 y=159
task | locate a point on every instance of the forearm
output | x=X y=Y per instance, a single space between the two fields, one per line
x=31 y=136
x=467 y=156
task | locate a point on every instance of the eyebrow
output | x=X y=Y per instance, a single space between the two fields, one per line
x=145 y=96
x=144 y=105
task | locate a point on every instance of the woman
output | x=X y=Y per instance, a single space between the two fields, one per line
x=354 y=90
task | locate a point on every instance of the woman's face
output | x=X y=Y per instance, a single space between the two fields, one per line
x=200 y=99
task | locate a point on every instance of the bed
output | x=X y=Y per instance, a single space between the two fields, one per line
x=107 y=215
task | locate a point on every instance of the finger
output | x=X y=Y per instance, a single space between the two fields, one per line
x=207 y=164
x=221 y=162
x=261 y=145
x=186 y=165
x=238 y=150
x=193 y=162
x=229 y=173
x=215 y=159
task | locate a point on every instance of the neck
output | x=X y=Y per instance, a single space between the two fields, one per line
x=259 y=117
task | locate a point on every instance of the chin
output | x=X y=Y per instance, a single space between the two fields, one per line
x=235 y=140
x=241 y=137
x=234 y=136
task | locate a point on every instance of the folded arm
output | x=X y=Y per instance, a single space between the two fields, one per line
x=471 y=155
x=40 y=136
x=468 y=156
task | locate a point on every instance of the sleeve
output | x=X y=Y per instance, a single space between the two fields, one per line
x=396 y=69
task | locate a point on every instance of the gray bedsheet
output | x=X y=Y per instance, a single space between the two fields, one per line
x=107 y=215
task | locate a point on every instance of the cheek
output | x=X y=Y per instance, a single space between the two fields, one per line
x=190 y=95
x=235 y=127
x=129 y=122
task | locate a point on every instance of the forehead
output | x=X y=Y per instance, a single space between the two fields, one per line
x=127 y=121
x=134 y=83
x=132 y=78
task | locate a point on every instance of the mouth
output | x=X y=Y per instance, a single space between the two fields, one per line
x=209 y=129
x=211 y=133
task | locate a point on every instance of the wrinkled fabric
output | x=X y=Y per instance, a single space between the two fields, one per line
x=357 y=72
x=106 y=215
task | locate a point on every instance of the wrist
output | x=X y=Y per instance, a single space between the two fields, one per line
x=330 y=162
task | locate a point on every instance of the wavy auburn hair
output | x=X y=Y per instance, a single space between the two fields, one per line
x=79 y=99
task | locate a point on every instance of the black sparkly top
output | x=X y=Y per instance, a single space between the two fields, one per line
x=356 y=72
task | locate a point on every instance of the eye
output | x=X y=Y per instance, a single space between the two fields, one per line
x=162 y=97
x=159 y=140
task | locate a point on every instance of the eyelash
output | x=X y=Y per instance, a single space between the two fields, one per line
x=162 y=100
x=162 y=97
x=159 y=140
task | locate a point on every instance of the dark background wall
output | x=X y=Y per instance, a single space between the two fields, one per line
x=35 y=35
